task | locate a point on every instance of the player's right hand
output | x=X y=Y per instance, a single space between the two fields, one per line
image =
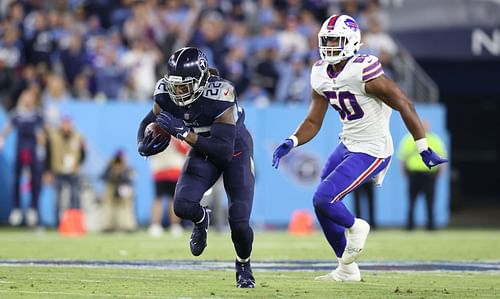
x=281 y=151
x=152 y=145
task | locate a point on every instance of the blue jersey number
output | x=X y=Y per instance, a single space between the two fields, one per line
x=343 y=110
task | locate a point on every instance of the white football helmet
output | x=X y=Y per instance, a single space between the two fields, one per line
x=339 y=38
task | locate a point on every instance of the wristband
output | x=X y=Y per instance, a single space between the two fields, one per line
x=421 y=144
x=294 y=140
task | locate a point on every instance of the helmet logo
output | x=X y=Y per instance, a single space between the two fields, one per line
x=351 y=24
x=202 y=64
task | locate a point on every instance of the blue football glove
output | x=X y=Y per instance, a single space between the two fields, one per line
x=281 y=151
x=431 y=159
x=151 y=146
x=172 y=125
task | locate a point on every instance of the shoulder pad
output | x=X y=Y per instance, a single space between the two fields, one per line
x=161 y=87
x=220 y=90
x=369 y=66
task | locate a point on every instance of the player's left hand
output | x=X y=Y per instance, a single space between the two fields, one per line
x=281 y=151
x=172 y=125
x=431 y=159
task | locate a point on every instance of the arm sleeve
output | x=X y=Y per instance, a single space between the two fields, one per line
x=149 y=118
x=219 y=146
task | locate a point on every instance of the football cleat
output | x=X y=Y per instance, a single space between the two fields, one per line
x=244 y=276
x=32 y=218
x=356 y=238
x=198 y=240
x=15 y=217
x=155 y=230
x=342 y=273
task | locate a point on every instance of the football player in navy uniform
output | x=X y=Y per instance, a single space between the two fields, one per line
x=200 y=108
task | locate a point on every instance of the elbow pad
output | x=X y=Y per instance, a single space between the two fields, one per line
x=220 y=145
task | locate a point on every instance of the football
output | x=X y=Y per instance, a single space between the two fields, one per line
x=155 y=129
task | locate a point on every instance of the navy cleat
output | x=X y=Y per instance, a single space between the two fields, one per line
x=244 y=276
x=198 y=240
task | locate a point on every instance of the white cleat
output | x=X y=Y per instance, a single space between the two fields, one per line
x=15 y=217
x=176 y=230
x=356 y=238
x=155 y=230
x=342 y=273
x=32 y=218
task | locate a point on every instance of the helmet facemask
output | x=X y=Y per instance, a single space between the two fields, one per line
x=184 y=91
x=332 y=48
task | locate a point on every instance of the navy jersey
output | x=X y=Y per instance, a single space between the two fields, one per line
x=218 y=97
x=27 y=124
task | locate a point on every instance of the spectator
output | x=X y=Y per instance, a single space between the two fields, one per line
x=40 y=44
x=420 y=178
x=293 y=85
x=291 y=41
x=81 y=87
x=256 y=95
x=54 y=94
x=65 y=156
x=140 y=24
x=166 y=168
x=378 y=40
x=140 y=63
x=31 y=136
x=210 y=38
x=74 y=59
x=110 y=77
x=118 y=203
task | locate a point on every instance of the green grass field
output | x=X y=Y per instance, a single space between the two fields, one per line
x=383 y=245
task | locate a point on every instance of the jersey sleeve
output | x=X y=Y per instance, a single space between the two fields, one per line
x=316 y=76
x=371 y=68
x=160 y=87
x=160 y=93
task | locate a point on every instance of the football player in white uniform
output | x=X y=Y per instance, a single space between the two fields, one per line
x=355 y=86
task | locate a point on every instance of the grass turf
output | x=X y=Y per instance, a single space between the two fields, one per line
x=67 y=282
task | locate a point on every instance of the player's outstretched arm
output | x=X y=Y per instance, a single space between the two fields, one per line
x=307 y=129
x=388 y=91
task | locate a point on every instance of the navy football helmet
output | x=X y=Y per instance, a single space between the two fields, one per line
x=187 y=75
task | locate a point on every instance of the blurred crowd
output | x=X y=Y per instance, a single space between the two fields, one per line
x=94 y=50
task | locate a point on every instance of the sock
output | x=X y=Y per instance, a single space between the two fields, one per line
x=240 y=260
x=202 y=217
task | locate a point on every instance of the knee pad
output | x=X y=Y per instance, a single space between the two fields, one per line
x=320 y=200
x=186 y=210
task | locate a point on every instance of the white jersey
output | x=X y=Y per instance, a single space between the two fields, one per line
x=365 y=118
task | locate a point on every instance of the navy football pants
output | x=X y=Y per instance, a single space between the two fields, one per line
x=200 y=174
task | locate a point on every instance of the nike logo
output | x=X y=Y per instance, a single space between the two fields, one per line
x=226 y=92
x=181 y=128
x=236 y=154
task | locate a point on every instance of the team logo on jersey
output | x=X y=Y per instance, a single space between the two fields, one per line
x=202 y=64
x=351 y=24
